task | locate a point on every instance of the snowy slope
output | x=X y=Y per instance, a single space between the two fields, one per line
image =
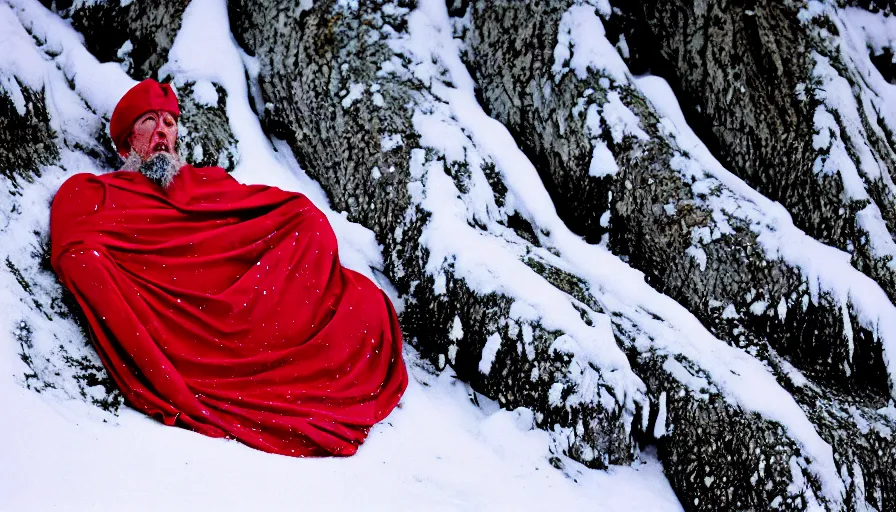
x=438 y=451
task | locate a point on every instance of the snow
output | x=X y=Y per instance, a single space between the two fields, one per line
x=837 y=95
x=457 y=330
x=846 y=100
x=16 y=61
x=581 y=45
x=390 y=142
x=603 y=163
x=124 y=54
x=354 y=94
x=866 y=33
x=698 y=254
x=659 y=429
x=98 y=85
x=492 y=344
x=23 y=63
x=620 y=120
x=438 y=451
x=490 y=260
x=204 y=92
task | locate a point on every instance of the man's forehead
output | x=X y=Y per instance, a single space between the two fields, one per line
x=155 y=113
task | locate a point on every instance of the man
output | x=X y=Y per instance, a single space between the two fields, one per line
x=222 y=307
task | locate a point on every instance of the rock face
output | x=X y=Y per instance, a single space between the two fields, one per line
x=33 y=143
x=136 y=34
x=25 y=133
x=204 y=137
x=568 y=117
x=790 y=98
x=59 y=358
x=670 y=225
x=482 y=141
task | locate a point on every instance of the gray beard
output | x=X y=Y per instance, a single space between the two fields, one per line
x=160 y=168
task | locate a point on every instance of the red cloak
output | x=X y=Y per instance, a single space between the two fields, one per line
x=223 y=308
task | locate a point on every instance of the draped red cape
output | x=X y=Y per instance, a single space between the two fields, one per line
x=223 y=308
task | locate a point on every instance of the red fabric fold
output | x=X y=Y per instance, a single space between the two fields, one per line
x=223 y=308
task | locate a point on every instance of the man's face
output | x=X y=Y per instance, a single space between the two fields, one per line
x=153 y=132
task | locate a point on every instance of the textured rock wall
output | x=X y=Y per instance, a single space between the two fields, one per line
x=61 y=361
x=204 y=137
x=25 y=133
x=749 y=76
x=136 y=34
x=31 y=146
x=653 y=210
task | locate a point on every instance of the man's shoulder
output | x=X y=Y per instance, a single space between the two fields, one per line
x=78 y=183
x=79 y=178
x=85 y=182
x=88 y=178
x=79 y=195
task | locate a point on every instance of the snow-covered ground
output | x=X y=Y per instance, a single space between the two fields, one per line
x=438 y=451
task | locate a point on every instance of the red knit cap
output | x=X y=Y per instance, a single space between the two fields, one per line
x=140 y=99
